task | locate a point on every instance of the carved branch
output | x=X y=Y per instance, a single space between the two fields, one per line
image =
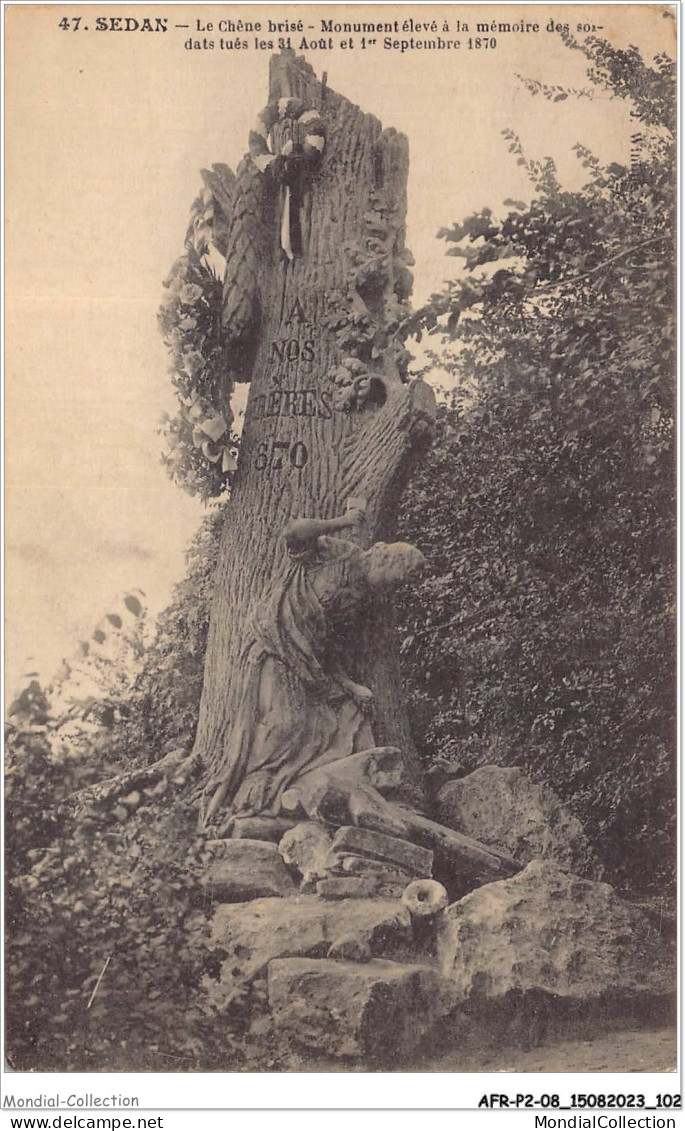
x=175 y=766
x=377 y=458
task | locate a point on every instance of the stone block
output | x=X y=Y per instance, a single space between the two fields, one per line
x=546 y=931
x=242 y=870
x=379 y=1012
x=507 y=811
x=378 y=846
x=302 y=925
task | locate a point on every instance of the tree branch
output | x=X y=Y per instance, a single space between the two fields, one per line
x=600 y=266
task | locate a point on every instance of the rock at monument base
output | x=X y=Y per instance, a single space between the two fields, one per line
x=254 y=933
x=506 y=810
x=380 y=1012
x=305 y=847
x=548 y=932
x=379 y=846
x=351 y=948
x=246 y=869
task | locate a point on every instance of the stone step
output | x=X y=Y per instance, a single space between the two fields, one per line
x=252 y=934
x=242 y=870
x=378 y=1012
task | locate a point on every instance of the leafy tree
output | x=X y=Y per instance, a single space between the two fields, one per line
x=112 y=887
x=545 y=636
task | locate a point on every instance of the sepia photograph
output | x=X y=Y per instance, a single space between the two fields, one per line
x=340 y=544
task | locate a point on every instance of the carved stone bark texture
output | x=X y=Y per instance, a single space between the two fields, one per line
x=301 y=456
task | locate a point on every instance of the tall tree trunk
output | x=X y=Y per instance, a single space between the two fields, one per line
x=311 y=441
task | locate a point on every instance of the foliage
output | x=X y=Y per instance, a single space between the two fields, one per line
x=201 y=448
x=27 y=760
x=90 y=695
x=108 y=959
x=94 y=891
x=118 y=881
x=545 y=636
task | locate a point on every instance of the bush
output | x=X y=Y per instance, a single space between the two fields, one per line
x=546 y=636
x=112 y=890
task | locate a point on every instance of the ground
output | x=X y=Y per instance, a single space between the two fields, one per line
x=652 y=1050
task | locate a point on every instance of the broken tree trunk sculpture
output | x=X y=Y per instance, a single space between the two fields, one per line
x=316 y=285
x=302 y=713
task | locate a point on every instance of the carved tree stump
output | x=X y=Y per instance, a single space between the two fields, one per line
x=330 y=415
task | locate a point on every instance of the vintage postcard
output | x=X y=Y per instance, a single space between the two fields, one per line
x=340 y=550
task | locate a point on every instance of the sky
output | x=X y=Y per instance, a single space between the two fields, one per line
x=106 y=134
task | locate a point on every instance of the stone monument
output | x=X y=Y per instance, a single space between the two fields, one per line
x=340 y=904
